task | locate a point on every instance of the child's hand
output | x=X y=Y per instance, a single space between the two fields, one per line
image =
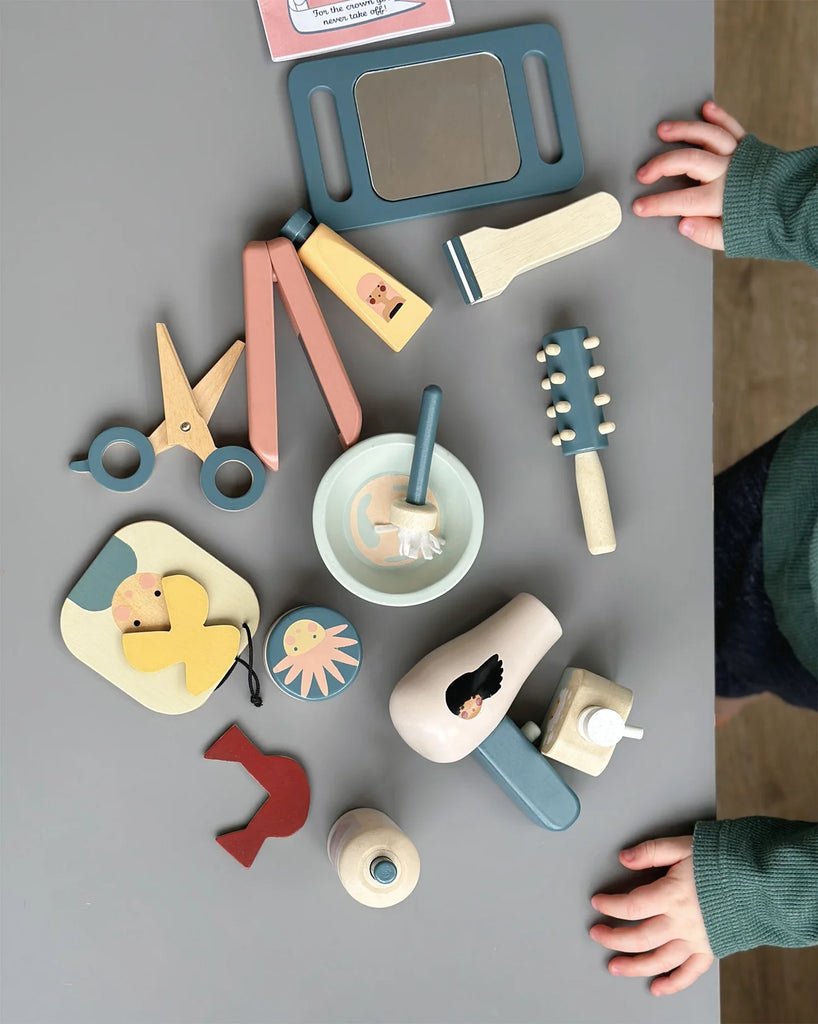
x=672 y=928
x=699 y=207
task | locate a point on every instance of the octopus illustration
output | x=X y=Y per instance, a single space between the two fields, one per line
x=312 y=651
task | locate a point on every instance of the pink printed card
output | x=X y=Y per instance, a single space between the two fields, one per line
x=300 y=28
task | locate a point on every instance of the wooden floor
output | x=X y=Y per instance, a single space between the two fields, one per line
x=766 y=375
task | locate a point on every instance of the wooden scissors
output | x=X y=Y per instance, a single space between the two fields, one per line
x=187 y=412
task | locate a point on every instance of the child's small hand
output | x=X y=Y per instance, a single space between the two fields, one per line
x=672 y=936
x=699 y=207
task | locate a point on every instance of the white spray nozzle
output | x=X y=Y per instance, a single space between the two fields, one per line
x=605 y=727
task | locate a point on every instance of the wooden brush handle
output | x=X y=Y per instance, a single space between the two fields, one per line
x=562 y=232
x=495 y=256
x=593 y=501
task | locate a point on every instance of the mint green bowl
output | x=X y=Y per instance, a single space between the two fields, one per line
x=460 y=523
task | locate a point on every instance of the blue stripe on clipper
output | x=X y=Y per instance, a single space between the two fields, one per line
x=461 y=268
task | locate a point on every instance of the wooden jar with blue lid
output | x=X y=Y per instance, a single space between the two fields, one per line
x=312 y=653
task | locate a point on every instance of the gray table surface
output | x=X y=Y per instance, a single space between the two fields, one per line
x=144 y=144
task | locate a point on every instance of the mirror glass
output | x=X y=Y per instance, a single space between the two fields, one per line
x=437 y=126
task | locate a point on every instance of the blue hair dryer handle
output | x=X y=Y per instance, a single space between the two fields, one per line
x=424 y=445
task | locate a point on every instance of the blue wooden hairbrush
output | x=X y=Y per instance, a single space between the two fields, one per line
x=582 y=431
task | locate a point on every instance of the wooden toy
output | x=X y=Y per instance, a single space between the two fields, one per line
x=207 y=652
x=114 y=611
x=385 y=305
x=455 y=699
x=374 y=537
x=377 y=863
x=414 y=517
x=436 y=126
x=355 y=496
x=288 y=802
x=585 y=721
x=312 y=653
x=267 y=265
x=486 y=261
x=187 y=412
x=506 y=754
x=582 y=430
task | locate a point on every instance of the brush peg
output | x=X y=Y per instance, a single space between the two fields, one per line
x=546 y=384
x=551 y=412
x=591 y=342
x=552 y=349
x=558 y=378
x=607 y=427
x=556 y=440
x=567 y=434
x=602 y=398
x=563 y=406
x=541 y=356
x=596 y=370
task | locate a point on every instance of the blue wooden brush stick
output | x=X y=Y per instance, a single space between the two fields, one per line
x=414 y=517
x=424 y=446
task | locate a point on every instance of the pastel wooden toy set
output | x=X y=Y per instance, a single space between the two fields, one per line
x=288 y=802
x=585 y=721
x=159 y=617
x=313 y=653
x=466 y=138
x=397 y=519
x=389 y=308
x=415 y=517
x=187 y=411
x=377 y=863
x=267 y=265
x=356 y=497
x=454 y=702
x=577 y=406
x=485 y=261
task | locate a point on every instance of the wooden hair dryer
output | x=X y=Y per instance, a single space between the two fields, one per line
x=454 y=703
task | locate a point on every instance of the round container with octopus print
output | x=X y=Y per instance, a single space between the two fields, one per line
x=312 y=653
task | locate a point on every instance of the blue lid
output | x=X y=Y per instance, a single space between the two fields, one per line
x=383 y=870
x=312 y=653
x=299 y=227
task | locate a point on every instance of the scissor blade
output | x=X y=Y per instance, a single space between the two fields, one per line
x=184 y=423
x=206 y=393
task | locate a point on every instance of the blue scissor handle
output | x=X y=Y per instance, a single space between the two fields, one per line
x=100 y=444
x=213 y=463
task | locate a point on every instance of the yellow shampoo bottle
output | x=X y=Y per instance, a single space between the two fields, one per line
x=392 y=311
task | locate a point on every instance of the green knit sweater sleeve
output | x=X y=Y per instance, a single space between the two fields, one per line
x=757 y=882
x=771 y=203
